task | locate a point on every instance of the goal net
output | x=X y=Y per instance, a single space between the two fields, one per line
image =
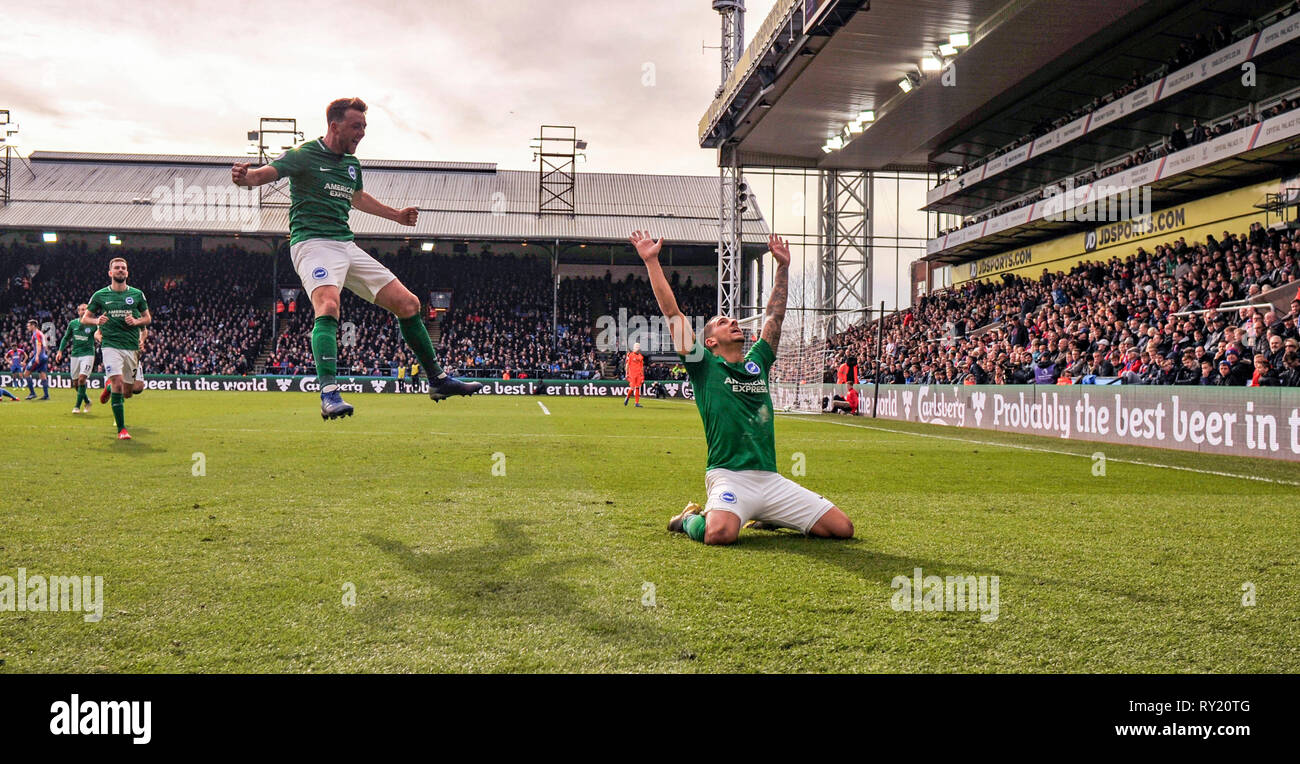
x=803 y=358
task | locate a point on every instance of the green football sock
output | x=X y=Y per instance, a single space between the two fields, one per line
x=81 y=395
x=118 y=414
x=325 y=348
x=694 y=526
x=417 y=336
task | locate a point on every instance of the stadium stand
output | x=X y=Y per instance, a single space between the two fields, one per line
x=212 y=311
x=1200 y=47
x=1156 y=317
x=501 y=318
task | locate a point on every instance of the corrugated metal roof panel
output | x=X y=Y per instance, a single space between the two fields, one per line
x=136 y=193
x=201 y=159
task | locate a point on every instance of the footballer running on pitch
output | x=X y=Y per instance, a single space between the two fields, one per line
x=732 y=396
x=121 y=311
x=325 y=185
x=82 y=357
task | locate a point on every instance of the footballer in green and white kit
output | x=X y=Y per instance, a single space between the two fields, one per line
x=121 y=312
x=325 y=185
x=731 y=393
x=81 y=357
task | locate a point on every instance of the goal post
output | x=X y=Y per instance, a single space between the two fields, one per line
x=804 y=357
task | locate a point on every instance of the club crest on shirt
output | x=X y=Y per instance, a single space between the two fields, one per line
x=130 y=301
x=352 y=172
x=751 y=367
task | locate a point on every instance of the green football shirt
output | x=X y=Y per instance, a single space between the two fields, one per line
x=321 y=185
x=81 y=337
x=736 y=407
x=118 y=305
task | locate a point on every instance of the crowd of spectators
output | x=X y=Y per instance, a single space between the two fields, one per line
x=1178 y=139
x=1187 y=52
x=1115 y=320
x=212 y=311
x=206 y=307
x=499 y=323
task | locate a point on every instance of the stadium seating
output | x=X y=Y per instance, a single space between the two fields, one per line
x=1109 y=320
x=212 y=311
x=1201 y=46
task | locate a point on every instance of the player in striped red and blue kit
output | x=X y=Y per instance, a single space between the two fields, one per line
x=38 y=362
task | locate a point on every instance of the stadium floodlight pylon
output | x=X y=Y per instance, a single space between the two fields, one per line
x=844 y=258
x=556 y=151
x=732 y=194
x=270 y=143
x=6 y=164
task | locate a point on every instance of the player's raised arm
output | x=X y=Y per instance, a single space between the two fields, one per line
x=242 y=175
x=678 y=326
x=367 y=203
x=780 y=290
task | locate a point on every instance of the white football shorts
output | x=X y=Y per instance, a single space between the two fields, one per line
x=768 y=496
x=341 y=264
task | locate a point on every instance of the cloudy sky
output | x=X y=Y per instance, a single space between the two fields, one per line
x=467 y=81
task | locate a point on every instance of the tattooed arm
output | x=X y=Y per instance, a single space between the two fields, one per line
x=780 y=290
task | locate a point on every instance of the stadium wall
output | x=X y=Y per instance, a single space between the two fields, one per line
x=1233 y=211
x=585 y=388
x=1246 y=421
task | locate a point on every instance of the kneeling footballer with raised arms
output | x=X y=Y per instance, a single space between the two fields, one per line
x=731 y=394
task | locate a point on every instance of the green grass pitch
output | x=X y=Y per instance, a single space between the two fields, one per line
x=549 y=567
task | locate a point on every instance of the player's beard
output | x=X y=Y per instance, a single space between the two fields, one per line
x=119 y=279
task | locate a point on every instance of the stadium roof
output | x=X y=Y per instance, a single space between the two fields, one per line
x=806 y=75
x=133 y=193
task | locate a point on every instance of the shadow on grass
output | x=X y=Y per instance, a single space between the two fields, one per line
x=511 y=580
x=855 y=556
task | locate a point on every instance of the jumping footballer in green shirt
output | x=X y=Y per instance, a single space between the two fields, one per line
x=731 y=394
x=325 y=186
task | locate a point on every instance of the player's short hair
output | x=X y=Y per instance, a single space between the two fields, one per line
x=707 y=331
x=116 y=259
x=32 y=322
x=339 y=107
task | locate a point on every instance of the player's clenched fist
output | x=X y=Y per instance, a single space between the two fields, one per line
x=408 y=216
x=238 y=173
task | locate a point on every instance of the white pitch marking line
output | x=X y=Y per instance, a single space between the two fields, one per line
x=1068 y=453
x=545 y=410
